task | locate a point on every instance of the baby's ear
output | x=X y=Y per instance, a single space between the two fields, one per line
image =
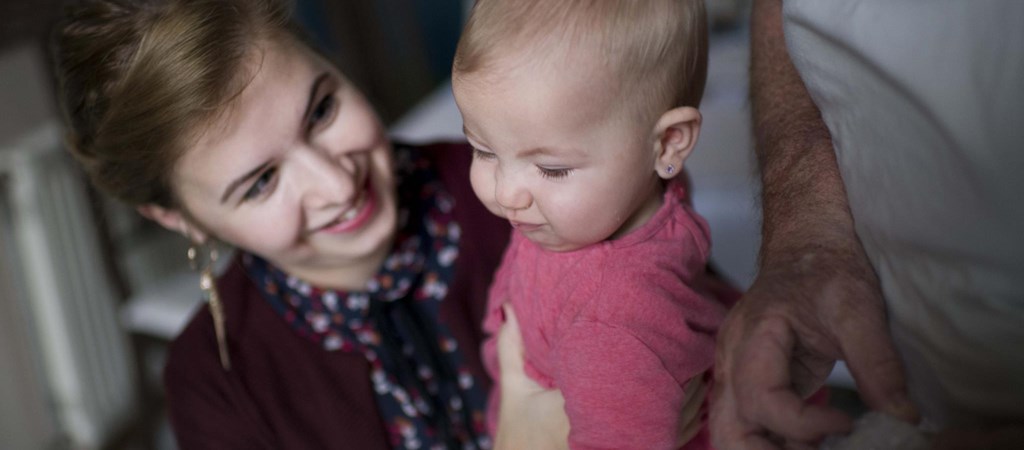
x=675 y=136
x=174 y=220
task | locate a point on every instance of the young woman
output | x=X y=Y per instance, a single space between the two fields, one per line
x=350 y=317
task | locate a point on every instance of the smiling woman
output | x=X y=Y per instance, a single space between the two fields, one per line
x=351 y=315
x=301 y=145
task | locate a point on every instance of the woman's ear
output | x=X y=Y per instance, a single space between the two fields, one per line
x=174 y=220
x=675 y=136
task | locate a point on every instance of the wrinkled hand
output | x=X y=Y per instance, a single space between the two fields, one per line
x=531 y=417
x=777 y=346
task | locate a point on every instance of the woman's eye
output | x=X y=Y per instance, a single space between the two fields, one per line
x=554 y=173
x=477 y=153
x=261 y=186
x=323 y=110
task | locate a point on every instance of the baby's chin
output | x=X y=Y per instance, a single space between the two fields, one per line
x=555 y=245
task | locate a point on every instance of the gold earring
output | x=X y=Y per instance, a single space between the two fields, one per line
x=209 y=287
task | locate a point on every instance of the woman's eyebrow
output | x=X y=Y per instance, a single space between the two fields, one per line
x=238 y=182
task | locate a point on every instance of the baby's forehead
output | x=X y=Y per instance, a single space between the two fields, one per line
x=587 y=62
x=539 y=58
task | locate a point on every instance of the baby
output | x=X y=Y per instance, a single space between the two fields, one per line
x=581 y=114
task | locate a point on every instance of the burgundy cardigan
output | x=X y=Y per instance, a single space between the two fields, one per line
x=285 y=392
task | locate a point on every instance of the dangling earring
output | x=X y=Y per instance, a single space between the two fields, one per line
x=209 y=287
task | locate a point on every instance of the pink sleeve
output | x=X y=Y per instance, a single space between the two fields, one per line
x=618 y=393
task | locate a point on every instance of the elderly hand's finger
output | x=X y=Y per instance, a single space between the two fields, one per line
x=764 y=391
x=862 y=331
x=727 y=430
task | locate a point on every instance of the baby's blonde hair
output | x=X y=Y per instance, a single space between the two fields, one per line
x=656 y=48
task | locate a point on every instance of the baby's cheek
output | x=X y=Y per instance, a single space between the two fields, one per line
x=483 y=187
x=570 y=208
x=582 y=220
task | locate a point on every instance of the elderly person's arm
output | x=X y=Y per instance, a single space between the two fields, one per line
x=816 y=298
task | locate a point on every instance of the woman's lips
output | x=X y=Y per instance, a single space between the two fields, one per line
x=355 y=217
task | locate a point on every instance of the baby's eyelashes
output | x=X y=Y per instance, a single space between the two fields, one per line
x=545 y=171
x=554 y=173
x=482 y=154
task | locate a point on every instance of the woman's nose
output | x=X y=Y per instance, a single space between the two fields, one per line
x=510 y=192
x=328 y=181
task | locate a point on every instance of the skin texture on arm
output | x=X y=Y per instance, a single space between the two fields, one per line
x=816 y=298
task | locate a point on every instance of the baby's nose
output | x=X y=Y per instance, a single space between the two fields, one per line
x=511 y=194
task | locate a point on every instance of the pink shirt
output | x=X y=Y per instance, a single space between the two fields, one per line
x=620 y=326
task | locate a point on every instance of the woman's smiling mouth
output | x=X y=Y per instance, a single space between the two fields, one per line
x=355 y=217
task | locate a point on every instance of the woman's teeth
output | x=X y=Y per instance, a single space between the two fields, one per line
x=349 y=215
x=353 y=211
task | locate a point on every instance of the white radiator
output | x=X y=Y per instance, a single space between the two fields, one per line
x=88 y=364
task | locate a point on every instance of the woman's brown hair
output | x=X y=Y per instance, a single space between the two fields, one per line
x=138 y=80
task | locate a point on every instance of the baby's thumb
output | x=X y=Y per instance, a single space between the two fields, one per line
x=878 y=372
